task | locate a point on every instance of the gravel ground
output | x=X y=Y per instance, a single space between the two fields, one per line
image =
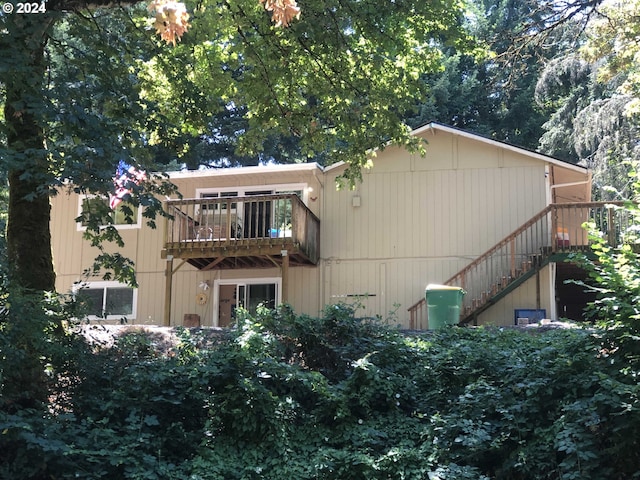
x=163 y=338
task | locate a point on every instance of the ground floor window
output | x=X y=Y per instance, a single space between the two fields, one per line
x=247 y=294
x=106 y=300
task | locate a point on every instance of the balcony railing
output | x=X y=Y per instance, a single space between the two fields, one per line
x=241 y=226
x=555 y=230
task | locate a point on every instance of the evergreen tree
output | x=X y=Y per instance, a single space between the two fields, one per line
x=593 y=90
x=491 y=96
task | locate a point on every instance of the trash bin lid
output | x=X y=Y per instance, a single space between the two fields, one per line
x=433 y=286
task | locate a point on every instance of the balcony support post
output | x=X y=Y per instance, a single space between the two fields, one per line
x=168 y=273
x=285 y=276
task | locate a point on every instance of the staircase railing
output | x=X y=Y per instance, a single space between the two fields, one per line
x=556 y=229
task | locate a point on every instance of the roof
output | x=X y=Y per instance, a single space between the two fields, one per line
x=429 y=127
x=255 y=170
x=434 y=127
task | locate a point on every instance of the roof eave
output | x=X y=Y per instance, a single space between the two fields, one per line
x=539 y=156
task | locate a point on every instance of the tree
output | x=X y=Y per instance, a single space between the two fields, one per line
x=614 y=278
x=86 y=85
x=494 y=95
x=338 y=80
x=217 y=144
x=594 y=92
x=480 y=94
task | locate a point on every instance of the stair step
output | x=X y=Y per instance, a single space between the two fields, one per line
x=480 y=300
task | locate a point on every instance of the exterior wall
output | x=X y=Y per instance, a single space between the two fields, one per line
x=72 y=255
x=524 y=297
x=421 y=220
x=412 y=221
x=187 y=280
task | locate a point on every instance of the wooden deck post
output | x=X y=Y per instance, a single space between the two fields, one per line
x=554 y=229
x=512 y=261
x=168 y=273
x=611 y=234
x=285 y=276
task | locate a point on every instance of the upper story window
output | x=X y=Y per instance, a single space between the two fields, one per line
x=257 y=216
x=124 y=215
x=300 y=189
x=223 y=206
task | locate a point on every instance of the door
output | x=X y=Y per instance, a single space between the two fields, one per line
x=259 y=294
x=245 y=295
x=226 y=305
x=257 y=216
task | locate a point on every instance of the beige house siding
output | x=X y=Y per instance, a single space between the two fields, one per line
x=143 y=245
x=412 y=221
x=421 y=220
x=524 y=297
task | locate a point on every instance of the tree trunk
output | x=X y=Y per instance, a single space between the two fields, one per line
x=28 y=236
x=28 y=232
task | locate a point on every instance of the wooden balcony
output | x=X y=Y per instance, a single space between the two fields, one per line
x=547 y=237
x=241 y=232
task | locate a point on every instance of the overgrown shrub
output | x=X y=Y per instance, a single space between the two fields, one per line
x=287 y=396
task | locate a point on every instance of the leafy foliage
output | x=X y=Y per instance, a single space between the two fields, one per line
x=615 y=278
x=287 y=396
x=85 y=85
x=592 y=91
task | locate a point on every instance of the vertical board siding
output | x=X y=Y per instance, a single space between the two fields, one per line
x=447 y=218
x=420 y=221
x=65 y=240
x=502 y=314
x=428 y=223
x=304 y=291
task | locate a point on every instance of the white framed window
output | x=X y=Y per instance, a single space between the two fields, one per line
x=259 y=219
x=106 y=300
x=301 y=189
x=124 y=216
x=220 y=194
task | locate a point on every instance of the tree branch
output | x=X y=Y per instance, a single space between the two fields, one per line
x=79 y=5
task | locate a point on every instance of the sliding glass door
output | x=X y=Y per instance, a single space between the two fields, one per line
x=245 y=294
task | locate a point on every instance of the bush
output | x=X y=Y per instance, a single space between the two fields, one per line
x=288 y=396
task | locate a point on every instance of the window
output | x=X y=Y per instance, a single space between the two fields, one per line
x=299 y=189
x=106 y=300
x=283 y=213
x=125 y=215
x=253 y=294
x=216 y=206
x=255 y=219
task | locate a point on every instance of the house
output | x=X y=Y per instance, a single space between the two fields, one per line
x=483 y=215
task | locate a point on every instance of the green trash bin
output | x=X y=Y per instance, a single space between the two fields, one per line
x=443 y=305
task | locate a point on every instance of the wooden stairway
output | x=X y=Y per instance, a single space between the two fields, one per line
x=547 y=237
